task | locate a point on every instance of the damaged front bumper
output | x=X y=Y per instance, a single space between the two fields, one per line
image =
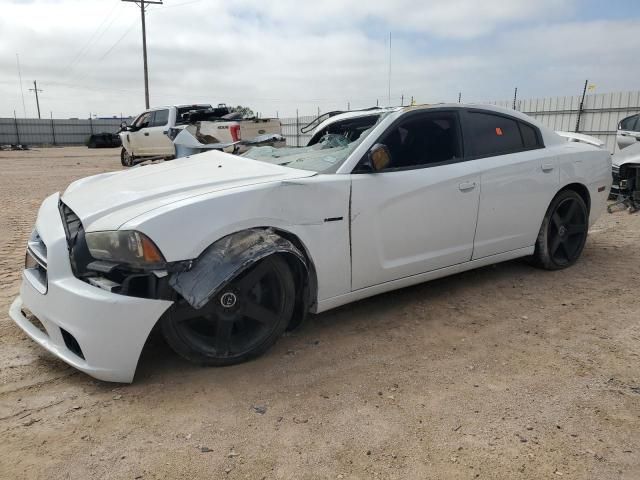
x=625 y=188
x=96 y=331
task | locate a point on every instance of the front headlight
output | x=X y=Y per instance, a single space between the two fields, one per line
x=129 y=247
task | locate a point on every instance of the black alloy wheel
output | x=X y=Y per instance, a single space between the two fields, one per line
x=563 y=233
x=241 y=322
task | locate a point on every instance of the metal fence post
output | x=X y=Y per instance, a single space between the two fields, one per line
x=53 y=130
x=15 y=122
x=584 y=92
x=90 y=124
x=297 y=129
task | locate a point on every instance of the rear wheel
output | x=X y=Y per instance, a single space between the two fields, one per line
x=563 y=232
x=239 y=323
x=126 y=159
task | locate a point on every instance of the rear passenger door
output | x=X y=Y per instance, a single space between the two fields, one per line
x=518 y=179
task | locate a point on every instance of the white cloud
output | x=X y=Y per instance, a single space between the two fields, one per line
x=283 y=55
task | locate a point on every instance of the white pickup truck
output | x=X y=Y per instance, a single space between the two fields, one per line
x=148 y=135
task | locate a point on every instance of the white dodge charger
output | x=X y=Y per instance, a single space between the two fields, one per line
x=224 y=253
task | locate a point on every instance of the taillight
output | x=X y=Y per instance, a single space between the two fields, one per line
x=235 y=132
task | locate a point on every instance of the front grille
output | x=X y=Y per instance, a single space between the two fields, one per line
x=71 y=223
x=79 y=255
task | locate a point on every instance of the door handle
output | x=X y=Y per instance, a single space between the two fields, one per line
x=146 y=134
x=547 y=167
x=466 y=186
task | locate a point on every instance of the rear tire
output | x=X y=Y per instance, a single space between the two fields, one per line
x=241 y=322
x=563 y=233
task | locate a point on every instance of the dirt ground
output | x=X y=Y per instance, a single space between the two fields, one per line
x=505 y=372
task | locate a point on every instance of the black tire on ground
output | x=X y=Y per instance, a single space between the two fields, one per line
x=125 y=159
x=241 y=322
x=563 y=232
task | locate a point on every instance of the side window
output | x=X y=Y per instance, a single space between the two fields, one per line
x=143 y=120
x=425 y=139
x=494 y=134
x=629 y=123
x=160 y=118
x=529 y=136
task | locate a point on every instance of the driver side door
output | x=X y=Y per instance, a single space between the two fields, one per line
x=419 y=214
x=139 y=146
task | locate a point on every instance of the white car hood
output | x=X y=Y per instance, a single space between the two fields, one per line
x=127 y=194
x=630 y=154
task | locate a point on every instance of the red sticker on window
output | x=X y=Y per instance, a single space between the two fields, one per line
x=498 y=131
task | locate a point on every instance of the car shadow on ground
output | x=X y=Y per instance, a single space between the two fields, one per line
x=364 y=315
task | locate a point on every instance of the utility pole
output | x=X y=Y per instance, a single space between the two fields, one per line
x=142 y=4
x=35 y=89
x=584 y=92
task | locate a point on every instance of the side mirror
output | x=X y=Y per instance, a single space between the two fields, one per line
x=378 y=157
x=123 y=125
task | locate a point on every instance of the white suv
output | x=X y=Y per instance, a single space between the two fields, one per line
x=628 y=131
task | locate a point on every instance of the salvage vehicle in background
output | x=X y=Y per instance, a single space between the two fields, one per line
x=628 y=131
x=150 y=135
x=224 y=253
x=626 y=179
x=104 y=140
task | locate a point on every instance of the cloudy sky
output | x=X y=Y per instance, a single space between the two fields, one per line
x=279 y=55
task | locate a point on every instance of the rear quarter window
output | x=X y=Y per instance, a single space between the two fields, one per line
x=529 y=136
x=493 y=134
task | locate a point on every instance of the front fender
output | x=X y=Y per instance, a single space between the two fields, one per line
x=227 y=258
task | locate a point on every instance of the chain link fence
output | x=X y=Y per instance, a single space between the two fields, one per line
x=599 y=116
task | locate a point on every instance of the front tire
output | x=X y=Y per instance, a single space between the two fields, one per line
x=563 y=233
x=126 y=159
x=241 y=322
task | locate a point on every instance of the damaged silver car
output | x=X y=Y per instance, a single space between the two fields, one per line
x=625 y=188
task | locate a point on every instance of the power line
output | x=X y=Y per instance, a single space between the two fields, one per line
x=95 y=36
x=182 y=3
x=118 y=41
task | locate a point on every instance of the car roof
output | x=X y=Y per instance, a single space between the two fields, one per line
x=549 y=135
x=354 y=114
